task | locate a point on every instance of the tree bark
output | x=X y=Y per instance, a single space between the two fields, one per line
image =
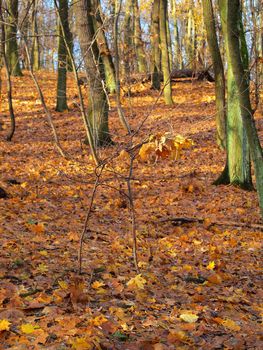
x=98 y=104
x=233 y=18
x=139 y=45
x=62 y=57
x=237 y=144
x=11 y=42
x=104 y=49
x=209 y=21
x=156 y=52
x=35 y=53
x=127 y=41
x=165 y=54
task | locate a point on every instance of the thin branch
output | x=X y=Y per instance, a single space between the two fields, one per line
x=84 y=231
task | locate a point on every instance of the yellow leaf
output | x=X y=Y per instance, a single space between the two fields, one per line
x=24 y=184
x=63 y=284
x=230 y=324
x=98 y=321
x=187 y=267
x=81 y=344
x=28 y=328
x=4 y=325
x=137 y=282
x=211 y=265
x=43 y=253
x=189 y=317
x=97 y=284
x=146 y=150
x=42 y=268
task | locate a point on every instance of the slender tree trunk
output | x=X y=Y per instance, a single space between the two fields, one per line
x=11 y=41
x=191 y=38
x=165 y=53
x=104 y=50
x=8 y=79
x=237 y=143
x=139 y=45
x=156 y=52
x=209 y=21
x=127 y=41
x=35 y=54
x=125 y=124
x=98 y=104
x=233 y=35
x=169 y=43
x=62 y=57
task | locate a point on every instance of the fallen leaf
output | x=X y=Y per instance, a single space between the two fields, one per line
x=4 y=325
x=211 y=265
x=189 y=317
x=137 y=282
x=28 y=328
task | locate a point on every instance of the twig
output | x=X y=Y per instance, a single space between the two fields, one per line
x=41 y=96
x=133 y=217
x=96 y=184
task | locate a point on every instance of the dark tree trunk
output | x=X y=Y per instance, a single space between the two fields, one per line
x=156 y=52
x=62 y=56
x=11 y=41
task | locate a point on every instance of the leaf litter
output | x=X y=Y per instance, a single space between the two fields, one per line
x=199 y=283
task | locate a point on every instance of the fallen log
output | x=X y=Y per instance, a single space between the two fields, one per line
x=176 y=221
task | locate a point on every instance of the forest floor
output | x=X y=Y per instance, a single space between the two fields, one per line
x=200 y=283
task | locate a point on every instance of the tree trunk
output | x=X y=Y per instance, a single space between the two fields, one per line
x=209 y=21
x=233 y=35
x=98 y=104
x=104 y=49
x=11 y=42
x=62 y=57
x=165 y=54
x=156 y=52
x=191 y=38
x=35 y=54
x=127 y=41
x=139 y=45
x=237 y=143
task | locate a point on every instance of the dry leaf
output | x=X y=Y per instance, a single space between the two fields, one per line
x=189 y=317
x=137 y=282
x=4 y=325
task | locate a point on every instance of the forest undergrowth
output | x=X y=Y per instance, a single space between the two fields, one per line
x=200 y=282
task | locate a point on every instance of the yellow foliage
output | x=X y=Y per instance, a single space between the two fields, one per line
x=28 y=328
x=164 y=146
x=137 y=282
x=230 y=324
x=211 y=265
x=189 y=317
x=4 y=325
x=97 y=284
